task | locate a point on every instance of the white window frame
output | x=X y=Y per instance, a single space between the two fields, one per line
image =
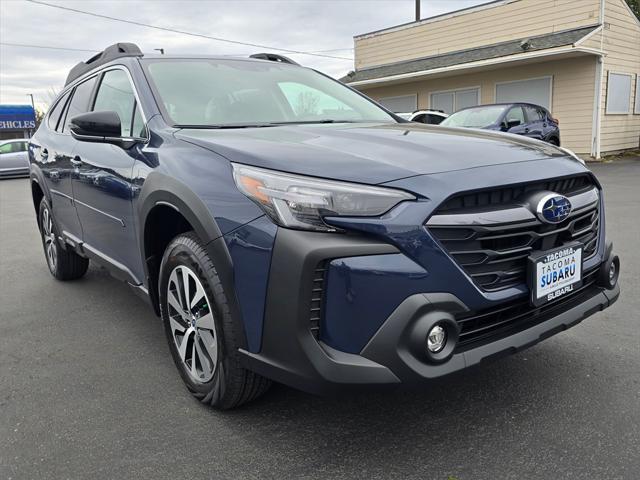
x=454 y=90
x=414 y=95
x=545 y=77
x=636 y=109
x=629 y=109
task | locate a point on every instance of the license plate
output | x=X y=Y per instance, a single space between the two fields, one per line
x=555 y=273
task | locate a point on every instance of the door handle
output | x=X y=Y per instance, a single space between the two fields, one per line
x=526 y=130
x=76 y=161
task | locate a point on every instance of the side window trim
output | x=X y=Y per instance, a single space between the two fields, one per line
x=133 y=116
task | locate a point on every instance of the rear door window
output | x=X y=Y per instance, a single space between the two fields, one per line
x=56 y=113
x=80 y=101
x=543 y=114
x=534 y=114
x=6 y=148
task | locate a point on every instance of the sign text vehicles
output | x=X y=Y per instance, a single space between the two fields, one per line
x=17 y=124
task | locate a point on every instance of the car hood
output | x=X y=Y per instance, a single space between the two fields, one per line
x=367 y=153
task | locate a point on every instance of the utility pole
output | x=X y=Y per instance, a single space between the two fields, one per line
x=417 y=10
x=33 y=105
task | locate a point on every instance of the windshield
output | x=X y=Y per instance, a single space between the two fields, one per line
x=475 y=117
x=209 y=93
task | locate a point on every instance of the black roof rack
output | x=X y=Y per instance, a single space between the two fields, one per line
x=112 y=52
x=273 y=57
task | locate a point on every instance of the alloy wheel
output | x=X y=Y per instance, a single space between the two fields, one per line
x=192 y=325
x=49 y=239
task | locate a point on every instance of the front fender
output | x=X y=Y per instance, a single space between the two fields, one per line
x=160 y=189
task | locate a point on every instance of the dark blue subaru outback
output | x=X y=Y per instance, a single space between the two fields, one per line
x=287 y=228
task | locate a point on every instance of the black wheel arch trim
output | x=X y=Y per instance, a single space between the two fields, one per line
x=161 y=190
x=36 y=176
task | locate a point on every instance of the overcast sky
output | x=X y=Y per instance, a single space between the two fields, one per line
x=303 y=25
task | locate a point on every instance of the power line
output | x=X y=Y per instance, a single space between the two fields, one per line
x=6 y=44
x=332 y=50
x=98 y=50
x=183 y=32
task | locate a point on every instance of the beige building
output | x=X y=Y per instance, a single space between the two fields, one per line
x=578 y=58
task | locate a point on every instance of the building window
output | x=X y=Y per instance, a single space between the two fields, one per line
x=453 y=100
x=537 y=91
x=618 y=94
x=637 y=109
x=400 y=104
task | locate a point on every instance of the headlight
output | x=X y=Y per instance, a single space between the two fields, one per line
x=301 y=202
x=572 y=154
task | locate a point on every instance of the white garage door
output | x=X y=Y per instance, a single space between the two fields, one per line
x=536 y=91
x=402 y=104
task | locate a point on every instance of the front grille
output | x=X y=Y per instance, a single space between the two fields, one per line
x=495 y=255
x=317 y=298
x=509 y=194
x=491 y=325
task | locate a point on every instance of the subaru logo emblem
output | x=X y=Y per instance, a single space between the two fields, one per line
x=553 y=208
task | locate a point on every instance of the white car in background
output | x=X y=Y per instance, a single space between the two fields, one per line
x=14 y=157
x=430 y=117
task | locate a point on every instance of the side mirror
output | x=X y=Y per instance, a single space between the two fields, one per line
x=509 y=124
x=99 y=127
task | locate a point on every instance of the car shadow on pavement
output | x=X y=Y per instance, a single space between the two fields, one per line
x=499 y=402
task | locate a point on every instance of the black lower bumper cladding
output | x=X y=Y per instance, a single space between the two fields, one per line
x=291 y=354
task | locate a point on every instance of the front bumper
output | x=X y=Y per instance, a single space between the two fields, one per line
x=291 y=352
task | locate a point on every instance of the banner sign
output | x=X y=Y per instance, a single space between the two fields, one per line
x=17 y=117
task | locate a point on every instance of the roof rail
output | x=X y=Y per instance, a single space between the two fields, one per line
x=273 y=57
x=117 y=50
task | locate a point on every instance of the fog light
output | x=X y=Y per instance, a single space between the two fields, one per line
x=436 y=339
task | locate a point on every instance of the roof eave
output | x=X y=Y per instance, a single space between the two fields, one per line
x=480 y=63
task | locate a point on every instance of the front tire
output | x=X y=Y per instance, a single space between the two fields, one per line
x=202 y=336
x=64 y=264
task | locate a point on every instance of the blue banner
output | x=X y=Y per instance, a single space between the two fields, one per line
x=17 y=117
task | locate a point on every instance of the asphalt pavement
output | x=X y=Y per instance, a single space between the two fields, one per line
x=88 y=390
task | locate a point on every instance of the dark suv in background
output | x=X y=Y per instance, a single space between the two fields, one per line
x=285 y=227
x=526 y=119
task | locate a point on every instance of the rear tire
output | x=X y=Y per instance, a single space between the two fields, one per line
x=202 y=336
x=64 y=264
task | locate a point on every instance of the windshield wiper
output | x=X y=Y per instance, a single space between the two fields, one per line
x=228 y=126
x=270 y=124
x=310 y=122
